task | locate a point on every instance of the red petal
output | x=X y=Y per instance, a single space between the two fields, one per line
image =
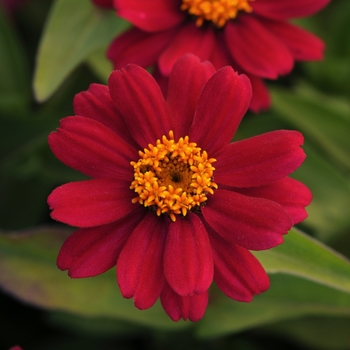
x=291 y=194
x=186 y=82
x=188 y=261
x=189 y=39
x=140 y=100
x=188 y=307
x=260 y=160
x=221 y=106
x=256 y=49
x=237 y=272
x=252 y=223
x=91 y=251
x=96 y=103
x=92 y=202
x=261 y=98
x=284 y=9
x=90 y=147
x=150 y=15
x=303 y=45
x=220 y=57
x=139 y=47
x=140 y=264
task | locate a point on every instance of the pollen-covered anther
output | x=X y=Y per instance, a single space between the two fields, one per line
x=173 y=177
x=216 y=11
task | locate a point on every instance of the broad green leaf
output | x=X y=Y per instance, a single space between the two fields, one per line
x=28 y=271
x=99 y=64
x=324 y=120
x=289 y=297
x=300 y=255
x=74 y=30
x=14 y=82
x=329 y=210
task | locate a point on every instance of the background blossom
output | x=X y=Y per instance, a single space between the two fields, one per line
x=260 y=43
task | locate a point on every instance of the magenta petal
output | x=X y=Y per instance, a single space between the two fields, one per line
x=303 y=45
x=189 y=39
x=221 y=106
x=220 y=57
x=290 y=193
x=96 y=103
x=140 y=100
x=150 y=15
x=138 y=47
x=261 y=98
x=186 y=82
x=92 y=202
x=187 y=307
x=256 y=49
x=140 y=264
x=91 y=251
x=237 y=272
x=252 y=223
x=188 y=261
x=260 y=160
x=90 y=147
x=285 y=9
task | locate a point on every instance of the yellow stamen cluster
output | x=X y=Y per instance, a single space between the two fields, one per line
x=217 y=11
x=173 y=177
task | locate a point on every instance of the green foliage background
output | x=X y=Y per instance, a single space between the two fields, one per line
x=51 y=50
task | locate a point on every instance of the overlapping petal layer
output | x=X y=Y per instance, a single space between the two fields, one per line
x=261 y=159
x=188 y=261
x=92 y=202
x=258 y=223
x=140 y=269
x=92 y=148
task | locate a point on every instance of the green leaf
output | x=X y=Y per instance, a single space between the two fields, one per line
x=14 y=82
x=99 y=64
x=74 y=30
x=28 y=271
x=303 y=256
x=328 y=212
x=289 y=297
x=324 y=120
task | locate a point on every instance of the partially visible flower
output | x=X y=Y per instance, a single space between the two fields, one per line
x=172 y=202
x=253 y=36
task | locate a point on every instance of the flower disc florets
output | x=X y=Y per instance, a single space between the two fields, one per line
x=173 y=177
x=217 y=11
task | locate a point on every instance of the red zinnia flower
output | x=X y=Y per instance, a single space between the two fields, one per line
x=253 y=36
x=172 y=203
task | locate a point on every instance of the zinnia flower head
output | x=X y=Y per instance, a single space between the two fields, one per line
x=253 y=36
x=172 y=203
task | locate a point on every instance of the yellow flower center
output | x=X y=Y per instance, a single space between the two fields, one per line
x=173 y=177
x=217 y=11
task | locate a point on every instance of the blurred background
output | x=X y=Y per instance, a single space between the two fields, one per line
x=41 y=308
